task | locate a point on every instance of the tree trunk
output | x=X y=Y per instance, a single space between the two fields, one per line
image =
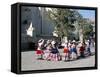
x=81 y=35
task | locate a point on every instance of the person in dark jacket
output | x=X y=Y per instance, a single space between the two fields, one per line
x=82 y=49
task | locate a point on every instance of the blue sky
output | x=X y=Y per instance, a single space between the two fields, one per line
x=88 y=14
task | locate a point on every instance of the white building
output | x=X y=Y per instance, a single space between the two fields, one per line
x=35 y=24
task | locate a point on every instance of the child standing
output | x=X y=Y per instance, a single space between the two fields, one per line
x=73 y=52
x=55 y=56
x=39 y=51
x=47 y=52
x=66 y=52
x=88 y=48
x=82 y=49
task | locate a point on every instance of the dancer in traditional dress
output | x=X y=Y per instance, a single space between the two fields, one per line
x=47 y=52
x=73 y=52
x=88 y=48
x=79 y=44
x=66 y=52
x=69 y=47
x=55 y=55
x=39 y=50
x=82 y=50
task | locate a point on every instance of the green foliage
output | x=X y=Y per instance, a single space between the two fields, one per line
x=87 y=30
x=64 y=19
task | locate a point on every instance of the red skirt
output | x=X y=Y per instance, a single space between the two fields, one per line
x=66 y=50
x=39 y=52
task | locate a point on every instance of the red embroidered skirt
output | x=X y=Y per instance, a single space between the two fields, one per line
x=39 y=52
x=65 y=50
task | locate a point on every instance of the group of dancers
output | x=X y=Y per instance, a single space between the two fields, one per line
x=71 y=50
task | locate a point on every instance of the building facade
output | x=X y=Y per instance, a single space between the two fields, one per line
x=35 y=25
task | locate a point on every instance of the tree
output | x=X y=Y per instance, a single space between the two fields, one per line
x=84 y=26
x=88 y=29
x=63 y=20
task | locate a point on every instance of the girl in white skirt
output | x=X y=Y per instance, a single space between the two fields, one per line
x=47 y=52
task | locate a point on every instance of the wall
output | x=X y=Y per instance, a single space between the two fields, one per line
x=38 y=18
